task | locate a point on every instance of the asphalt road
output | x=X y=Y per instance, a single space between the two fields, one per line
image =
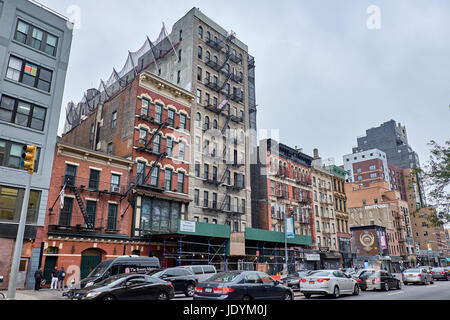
x=440 y=290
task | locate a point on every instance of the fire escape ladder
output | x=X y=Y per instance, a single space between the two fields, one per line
x=226 y=60
x=160 y=157
x=225 y=82
x=82 y=208
x=161 y=126
x=226 y=123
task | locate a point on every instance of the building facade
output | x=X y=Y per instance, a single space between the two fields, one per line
x=34 y=55
x=88 y=219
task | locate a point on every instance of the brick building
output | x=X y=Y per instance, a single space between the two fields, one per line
x=88 y=219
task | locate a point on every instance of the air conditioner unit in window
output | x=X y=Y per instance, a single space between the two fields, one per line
x=115 y=188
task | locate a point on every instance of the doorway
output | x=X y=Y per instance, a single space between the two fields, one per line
x=90 y=259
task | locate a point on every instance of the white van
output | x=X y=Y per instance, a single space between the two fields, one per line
x=202 y=272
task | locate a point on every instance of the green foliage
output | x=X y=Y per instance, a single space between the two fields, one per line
x=436 y=178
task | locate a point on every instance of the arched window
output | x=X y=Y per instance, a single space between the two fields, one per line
x=208 y=56
x=208 y=36
x=227 y=67
x=200 y=32
x=200 y=52
x=198 y=120
x=215 y=124
x=206 y=123
x=215 y=59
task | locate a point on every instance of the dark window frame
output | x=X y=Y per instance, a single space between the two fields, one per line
x=29 y=38
x=37 y=77
x=30 y=116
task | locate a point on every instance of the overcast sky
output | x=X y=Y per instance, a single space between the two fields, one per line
x=322 y=76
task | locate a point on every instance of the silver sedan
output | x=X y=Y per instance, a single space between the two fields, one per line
x=417 y=275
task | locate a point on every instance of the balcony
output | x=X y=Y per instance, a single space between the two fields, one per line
x=211 y=206
x=236 y=187
x=237 y=97
x=215 y=45
x=304 y=220
x=282 y=195
x=304 y=182
x=235 y=209
x=92 y=185
x=213 y=86
x=234 y=58
x=304 y=201
x=326 y=217
x=236 y=119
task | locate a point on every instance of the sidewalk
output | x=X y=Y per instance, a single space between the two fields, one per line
x=43 y=294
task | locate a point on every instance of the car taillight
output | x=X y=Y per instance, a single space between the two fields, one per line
x=303 y=280
x=323 y=280
x=442 y=272
x=223 y=290
x=420 y=274
x=376 y=281
x=199 y=289
x=359 y=280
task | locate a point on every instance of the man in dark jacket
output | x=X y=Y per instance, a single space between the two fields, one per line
x=38 y=277
x=61 y=277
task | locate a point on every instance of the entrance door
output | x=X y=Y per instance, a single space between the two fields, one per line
x=50 y=263
x=89 y=260
x=21 y=277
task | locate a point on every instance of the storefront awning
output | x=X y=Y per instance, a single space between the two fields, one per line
x=333 y=255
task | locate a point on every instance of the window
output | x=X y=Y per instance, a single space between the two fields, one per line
x=197 y=197
x=169 y=146
x=29 y=74
x=371 y=168
x=360 y=178
x=115 y=183
x=208 y=35
x=373 y=175
x=200 y=32
x=206 y=123
x=11 y=200
x=180 y=38
x=206 y=171
x=94 y=179
x=214 y=173
x=198 y=120
x=91 y=211
x=22 y=113
x=70 y=175
x=145 y=104
x=179 y=55
x=358 y=170
x=180 y=182
x=157 y=144
x=214 y=201
x=91 y=132
x=36 y=38
x=200 y=52
x=140 y=173
x=171 y=117
x=178 y=76
x=199 y=73
x=168 y=180
x=197 y=144
x=65 y=215
x=208 y=56
x=199 y=96
x=197 y=169
x=154 y=177
x=114 y=120
x=143 y=136
x=158 y=113
x=183 y=121
x=112 y=217
x=181 y=150
x=205 y=199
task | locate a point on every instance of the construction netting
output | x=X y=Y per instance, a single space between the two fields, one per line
x=144 y=58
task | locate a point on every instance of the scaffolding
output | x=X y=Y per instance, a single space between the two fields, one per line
x=148 y=55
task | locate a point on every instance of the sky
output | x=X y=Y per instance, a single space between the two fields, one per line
x=326 y=70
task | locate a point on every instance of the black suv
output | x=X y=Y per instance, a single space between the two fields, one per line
x=183 y=280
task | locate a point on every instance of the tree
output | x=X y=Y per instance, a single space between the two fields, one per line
x=436 y=179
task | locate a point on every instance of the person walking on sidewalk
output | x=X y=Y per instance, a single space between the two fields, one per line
x=54 y=279
x=38 y=277
x=61 y=277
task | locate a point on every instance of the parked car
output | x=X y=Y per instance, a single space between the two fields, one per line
x=242 y=285
x=202 y=272
x=349 y=271
x=328 y=282
x=119 y=265
x=127 y=287
x=361 y=277
x=441 y=273
x=378 y=280
x=182 y=279
x=417 y=275
x=293 y=280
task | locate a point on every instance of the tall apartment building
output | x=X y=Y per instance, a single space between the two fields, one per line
x=392 y=139
x=34 y=54
x=281 y=189
x=214 y=65
x=324 y=214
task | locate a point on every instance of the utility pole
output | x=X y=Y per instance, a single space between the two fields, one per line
x=28 y=155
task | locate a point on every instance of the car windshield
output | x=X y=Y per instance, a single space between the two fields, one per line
x=320 y=274
x=100 y=269
x=412 y=270
x=224 y=277
x=154 y=273
x=366 y=274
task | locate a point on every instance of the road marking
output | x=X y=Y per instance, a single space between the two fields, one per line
x=400 y=292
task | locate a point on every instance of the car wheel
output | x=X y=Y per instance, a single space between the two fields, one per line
x=356 y=290
x=307 y=295
x=246 y=298
x=109 y=297
x=363 y=289
x=162 y=296
x=287 y=296
x=431 y=282
x=336 y=292
x=386 y=286
x=190 y=290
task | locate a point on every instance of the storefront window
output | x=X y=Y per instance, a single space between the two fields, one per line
x=11 y=200
x=159 y=216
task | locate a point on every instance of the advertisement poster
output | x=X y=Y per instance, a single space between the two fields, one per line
x=290 y=228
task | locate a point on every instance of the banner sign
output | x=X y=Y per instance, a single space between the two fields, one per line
x=290 y=228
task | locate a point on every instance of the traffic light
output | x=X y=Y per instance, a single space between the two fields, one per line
x=28 y=157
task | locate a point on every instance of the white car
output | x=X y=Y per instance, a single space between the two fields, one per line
x=328 y=282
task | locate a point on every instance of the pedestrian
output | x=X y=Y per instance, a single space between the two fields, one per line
x=54 y=278
x=61 y=277
x=38 y=277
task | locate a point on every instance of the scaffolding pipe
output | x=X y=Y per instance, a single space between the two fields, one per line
x=179 y=256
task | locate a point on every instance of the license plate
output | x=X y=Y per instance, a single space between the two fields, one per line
x=208 y=290
x=410 y=275
x=311 y=282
